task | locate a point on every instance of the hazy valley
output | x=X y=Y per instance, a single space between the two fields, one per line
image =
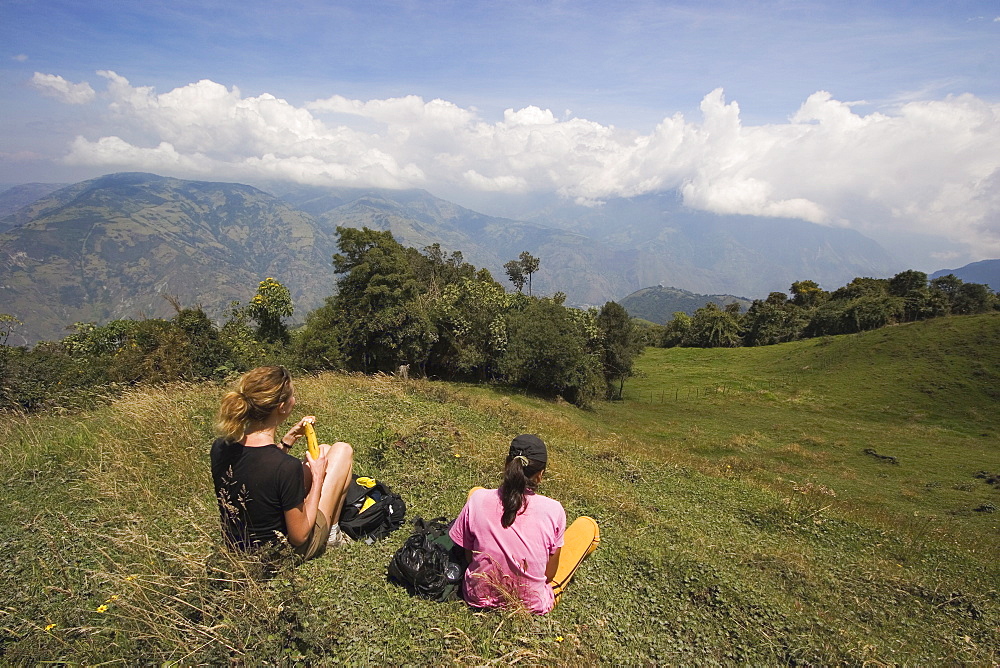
x=114 y=246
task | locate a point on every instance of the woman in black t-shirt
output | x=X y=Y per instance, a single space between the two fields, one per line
x=264 y=493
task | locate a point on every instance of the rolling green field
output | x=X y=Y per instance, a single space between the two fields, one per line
x=824 y=502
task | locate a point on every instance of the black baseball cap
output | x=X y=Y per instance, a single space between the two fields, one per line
x=530 y=446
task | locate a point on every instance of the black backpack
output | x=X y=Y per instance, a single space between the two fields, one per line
x=371 y=513
x=429 y=564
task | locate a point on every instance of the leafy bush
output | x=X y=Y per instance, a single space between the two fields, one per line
x=319 y=344
x=45 y=375
x=712 y=327
x=620 y=344
x=268 y=307
x=93 y=361
x=548 y=351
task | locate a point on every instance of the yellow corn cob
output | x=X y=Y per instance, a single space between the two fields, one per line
x=311 y=440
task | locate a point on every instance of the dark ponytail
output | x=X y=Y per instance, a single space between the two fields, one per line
x=518 y=479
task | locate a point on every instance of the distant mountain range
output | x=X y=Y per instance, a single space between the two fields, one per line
x=18 y=197
x=714 y=254
x=113 y=246
x=984 y=271
x=658 y=304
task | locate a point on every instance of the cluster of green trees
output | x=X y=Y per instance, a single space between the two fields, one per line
x=861 y=305
x=445 y=318
x=394 y=306
x=93 y=359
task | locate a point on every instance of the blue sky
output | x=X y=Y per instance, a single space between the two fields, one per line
x=882 y=116
x=621 y=63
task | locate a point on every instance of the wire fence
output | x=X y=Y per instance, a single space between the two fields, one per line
x=694 y=392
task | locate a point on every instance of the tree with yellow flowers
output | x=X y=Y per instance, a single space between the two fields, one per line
x=271 y=303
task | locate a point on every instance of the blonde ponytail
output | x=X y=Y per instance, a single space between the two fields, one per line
x=259 y=392
x=232 y=420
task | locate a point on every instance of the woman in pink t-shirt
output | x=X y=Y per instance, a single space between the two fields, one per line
x=514 y=538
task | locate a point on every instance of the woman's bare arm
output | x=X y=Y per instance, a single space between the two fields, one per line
x=300 y=520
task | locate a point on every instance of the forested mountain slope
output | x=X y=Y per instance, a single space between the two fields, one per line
x=658 y=303
x=18 y=197
x=984 y=271
x=114 y=246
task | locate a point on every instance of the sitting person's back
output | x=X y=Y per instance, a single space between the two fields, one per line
x=254 y=487
x=265 y=495
x=513 y=537
x=509 y=561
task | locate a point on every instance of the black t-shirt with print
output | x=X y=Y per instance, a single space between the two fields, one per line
x=254 y=488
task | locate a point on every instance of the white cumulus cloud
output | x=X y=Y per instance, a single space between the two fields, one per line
x=930 y=166
x=53 y=85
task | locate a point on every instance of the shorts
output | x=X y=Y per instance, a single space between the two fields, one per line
x=315 y=544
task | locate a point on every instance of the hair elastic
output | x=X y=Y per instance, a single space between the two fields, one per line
x=522 y=459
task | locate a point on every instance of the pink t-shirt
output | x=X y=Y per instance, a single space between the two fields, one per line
x=510 y=560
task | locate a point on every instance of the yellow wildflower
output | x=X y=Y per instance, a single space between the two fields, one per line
x=559 y=638
x=102 y=608
x=49 y=627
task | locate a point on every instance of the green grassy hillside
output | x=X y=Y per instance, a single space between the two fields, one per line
x=925 y=394
x=742 y=520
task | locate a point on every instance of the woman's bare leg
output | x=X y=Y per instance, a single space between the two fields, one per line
x=340 y=461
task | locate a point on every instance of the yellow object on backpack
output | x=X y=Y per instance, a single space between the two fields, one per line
x=371 y=510
x=369 y=501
